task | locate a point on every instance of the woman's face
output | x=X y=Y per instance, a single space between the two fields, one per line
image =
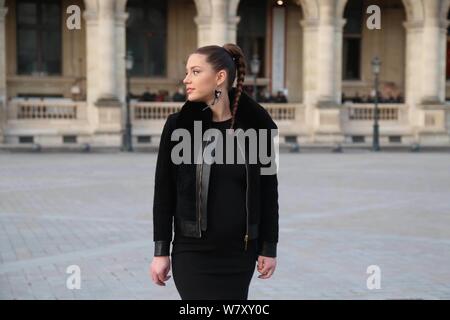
x=201 y=80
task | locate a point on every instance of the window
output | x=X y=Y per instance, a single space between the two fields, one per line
x=351 y=55
x=358 y=139
x=38 y=37
x=395 y=139
x=69 y=139
x=144 y=139
x=251 y=32
x=146 y=36
x=26 y=139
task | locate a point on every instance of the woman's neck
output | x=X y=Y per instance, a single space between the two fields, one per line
x=221 y=109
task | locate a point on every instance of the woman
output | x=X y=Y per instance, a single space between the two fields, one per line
x=225 y=215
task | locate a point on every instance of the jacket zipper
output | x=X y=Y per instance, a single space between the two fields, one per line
x=246 y=208
x=246 y=199
x=200 y=195
x=246 y=205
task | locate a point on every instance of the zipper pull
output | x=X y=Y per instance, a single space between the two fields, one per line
x=245 y=242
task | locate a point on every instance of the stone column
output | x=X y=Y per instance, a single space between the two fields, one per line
x=433 y=61
x=339 y=31
x=232 y=28
x=310 y=29
x=219 y=23
x=425 y=74
x=120 y=56
x=203 y=30
x=105 y=52
x=106 y=46
x=3 y=94
x=322 y=71
x=90 y=15
x=431 y=117
x=309 y=74
x=413 y=55
x=216 y=22
x=328 y=46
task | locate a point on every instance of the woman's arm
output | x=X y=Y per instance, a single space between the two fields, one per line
x=268 y=230
x=164 y=200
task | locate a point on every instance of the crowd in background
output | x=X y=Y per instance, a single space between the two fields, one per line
x=180 y=96
x=389 y=92
x=370 y=98
x=163 y=95
x=265 y=96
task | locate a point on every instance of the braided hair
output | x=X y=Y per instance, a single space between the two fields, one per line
x=231 y=58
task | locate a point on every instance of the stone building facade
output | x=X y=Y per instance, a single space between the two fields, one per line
x=67 y=86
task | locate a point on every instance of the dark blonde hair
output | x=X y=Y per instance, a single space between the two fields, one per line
x=231 y=58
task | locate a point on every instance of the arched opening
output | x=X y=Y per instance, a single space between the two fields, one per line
x=160 y=36
x=147 y=37
x=270 y=30
x=252 y=38
x=361 y=45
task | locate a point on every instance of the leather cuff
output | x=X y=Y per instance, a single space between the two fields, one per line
x=162 y=248
x=268 y=249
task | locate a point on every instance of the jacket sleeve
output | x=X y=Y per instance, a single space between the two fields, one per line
x=268 y=229
x=164 y=195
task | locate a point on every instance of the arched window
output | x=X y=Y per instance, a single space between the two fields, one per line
x=251 y=32
x=38 y=37
x=351 y=55
x=147 y=37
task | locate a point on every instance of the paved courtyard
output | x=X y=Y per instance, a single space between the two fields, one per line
x=339 y=214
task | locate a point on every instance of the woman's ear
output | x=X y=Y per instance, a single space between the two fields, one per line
x=221 y=77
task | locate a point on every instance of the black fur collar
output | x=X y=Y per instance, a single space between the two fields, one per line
x=249 y=114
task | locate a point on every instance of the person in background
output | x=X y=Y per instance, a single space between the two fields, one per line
x=147 y=95
x=280 y=97
x=161 y=96
x=179 y=95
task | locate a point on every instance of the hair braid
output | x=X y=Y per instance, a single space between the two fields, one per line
x=239 y=87
x=239 y=60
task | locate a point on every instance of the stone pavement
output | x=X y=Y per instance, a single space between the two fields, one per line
x=339 y=214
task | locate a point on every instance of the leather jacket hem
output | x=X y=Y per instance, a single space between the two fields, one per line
x=191 y=229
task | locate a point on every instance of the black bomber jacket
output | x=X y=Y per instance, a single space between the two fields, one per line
x=181 y=190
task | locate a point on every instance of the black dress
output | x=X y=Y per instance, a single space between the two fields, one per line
x=216 y=266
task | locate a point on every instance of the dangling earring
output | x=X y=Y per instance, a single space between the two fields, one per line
x=217 y=94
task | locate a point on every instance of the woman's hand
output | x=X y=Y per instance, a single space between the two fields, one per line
x=266 y=266
x=159 y=268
